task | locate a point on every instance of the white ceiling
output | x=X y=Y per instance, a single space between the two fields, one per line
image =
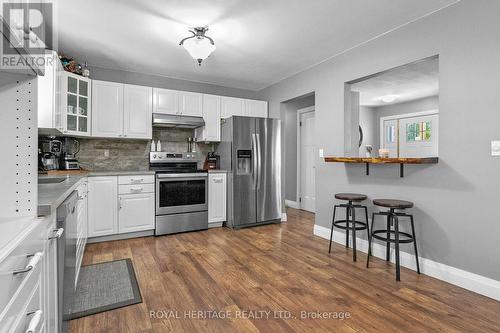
x=259 y=42
x=409 y=82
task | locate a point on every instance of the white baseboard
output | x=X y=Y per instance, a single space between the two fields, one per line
x=467 y=280
x=283 y=217
x=129 y=235
x=292 y=204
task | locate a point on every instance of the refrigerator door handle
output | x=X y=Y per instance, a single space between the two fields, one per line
x=259 y=160
x=254 y=160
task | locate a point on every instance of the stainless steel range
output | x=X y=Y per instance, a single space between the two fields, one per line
x=181 y=193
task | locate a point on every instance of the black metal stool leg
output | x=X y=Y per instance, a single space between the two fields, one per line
x=331 y=232
x=370 y=242
x=388 y=244
x=414 y=242
x=353 y=214
x=396 y=245
x=347 y=226
x=366 y=216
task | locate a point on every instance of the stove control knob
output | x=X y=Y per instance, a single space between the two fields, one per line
x=154 y=156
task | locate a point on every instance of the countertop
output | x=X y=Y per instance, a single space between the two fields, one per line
x=50 y=196
x=217 y=171
x=14 y=229
x=119 y=173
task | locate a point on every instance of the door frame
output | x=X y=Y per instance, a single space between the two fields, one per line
x=300 y=112
x=398 y=117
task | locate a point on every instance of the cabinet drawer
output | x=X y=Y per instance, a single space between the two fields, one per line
x=16 y=316
x=11 y=284
x=136 y=189
x=136 y=179
x=31 y=317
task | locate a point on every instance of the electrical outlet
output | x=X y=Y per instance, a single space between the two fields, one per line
x=321 y=153
x=106 y=153
x=495 y=148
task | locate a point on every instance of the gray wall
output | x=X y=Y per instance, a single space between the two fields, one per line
x=289 y=123
x=368 y=124
x=369 y=118
x=104 y=74
x=456 y=200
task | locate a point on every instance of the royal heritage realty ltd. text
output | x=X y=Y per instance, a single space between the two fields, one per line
x=248 y=314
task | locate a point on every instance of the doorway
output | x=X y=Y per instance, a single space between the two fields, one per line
x=306 y=159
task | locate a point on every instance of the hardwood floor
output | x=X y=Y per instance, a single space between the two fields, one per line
x=278 y=268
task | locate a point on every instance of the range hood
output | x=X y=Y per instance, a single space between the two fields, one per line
x=167 y=120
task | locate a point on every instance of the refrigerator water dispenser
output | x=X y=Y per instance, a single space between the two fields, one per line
x=244 y=162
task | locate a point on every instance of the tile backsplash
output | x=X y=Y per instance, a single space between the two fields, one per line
x=130 y=154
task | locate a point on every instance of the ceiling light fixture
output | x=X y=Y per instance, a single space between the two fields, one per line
x=198 y=45
x=389 y=98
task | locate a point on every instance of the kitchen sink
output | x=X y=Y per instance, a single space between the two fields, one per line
x=51 y=180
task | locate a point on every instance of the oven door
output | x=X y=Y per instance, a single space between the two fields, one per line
x=181 y=193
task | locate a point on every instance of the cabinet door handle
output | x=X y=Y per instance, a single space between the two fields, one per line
x=35 y=258
x=136 y=181
x=57 y=234
x=120 y=203
x=35 y=320
x=136 y=190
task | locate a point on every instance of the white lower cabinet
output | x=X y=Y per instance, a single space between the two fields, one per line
x=102 y=206
x=120 y=204
x=217 y=196
x=24 y=278
x=136 y=213
x=49 y=279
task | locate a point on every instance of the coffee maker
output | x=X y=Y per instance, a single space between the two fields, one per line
x=212 y=161
x=49 y=154
x=71 y=147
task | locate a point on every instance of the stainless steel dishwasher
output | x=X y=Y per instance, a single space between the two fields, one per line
x=66 y=258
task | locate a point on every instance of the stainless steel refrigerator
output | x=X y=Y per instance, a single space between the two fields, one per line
x=250 y=150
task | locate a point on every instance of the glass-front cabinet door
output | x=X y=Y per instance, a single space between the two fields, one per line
x=76 y=102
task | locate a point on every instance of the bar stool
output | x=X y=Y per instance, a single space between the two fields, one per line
x=349 y=224
x=399 y=236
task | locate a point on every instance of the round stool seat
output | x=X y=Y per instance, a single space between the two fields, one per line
x=393 y=203
x=350 y=196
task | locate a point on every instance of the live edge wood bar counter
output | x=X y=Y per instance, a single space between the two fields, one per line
x=377 y=160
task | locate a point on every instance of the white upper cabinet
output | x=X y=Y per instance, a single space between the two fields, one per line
x=175 y=102
x=165 y=101
x=137 y=112
x=254 y=108
x=107 y=106
x=121 y=110
x=191 y=104
x=211 y=114
x=48 y=113
x=74 y=103
x=231 y=106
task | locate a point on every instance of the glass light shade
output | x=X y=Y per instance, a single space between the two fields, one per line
x=389 y=98
x=199 y=48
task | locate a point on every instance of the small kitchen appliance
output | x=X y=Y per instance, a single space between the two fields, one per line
x=49 y=154
x=212 y=161
x=71 y=147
